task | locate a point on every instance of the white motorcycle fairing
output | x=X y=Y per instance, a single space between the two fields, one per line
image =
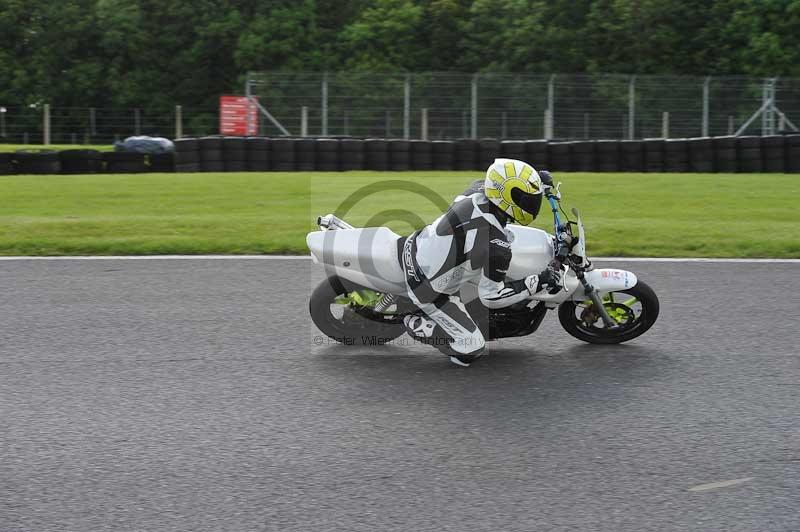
x=367 y=257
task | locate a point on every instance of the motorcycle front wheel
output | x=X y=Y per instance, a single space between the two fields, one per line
x=634 y=309
x=344 y=313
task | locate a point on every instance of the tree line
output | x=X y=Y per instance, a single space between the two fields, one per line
x=157 y=53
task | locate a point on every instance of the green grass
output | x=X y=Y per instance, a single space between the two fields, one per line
x=4 y=148
x=658 y=215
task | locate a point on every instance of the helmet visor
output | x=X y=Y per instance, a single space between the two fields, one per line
x=530 y=203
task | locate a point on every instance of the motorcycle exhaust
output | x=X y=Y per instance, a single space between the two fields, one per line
x=329 y=222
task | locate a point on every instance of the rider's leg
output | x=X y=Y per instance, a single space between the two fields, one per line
x=449 y=328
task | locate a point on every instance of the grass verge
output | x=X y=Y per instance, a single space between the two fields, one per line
x=4 y=148
x=656 y=215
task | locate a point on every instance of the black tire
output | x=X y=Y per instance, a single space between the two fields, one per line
x=351 y=154
x=513 y=149
x=701 y=155
x=654 y=155
x=326 y=155
x=6 y=164
x=488 y=151
x=421 y=155
x=282 y=154
x=607 y=158
x=536 y=154
x=37 y=162
x=162 y=162
x=559 y=156
x=595 y=335
x=376 y=154
x=399 y=155
x=351 y=328
x=631 y=156
x=80 y=161
x=466 y=154
x=443 y=154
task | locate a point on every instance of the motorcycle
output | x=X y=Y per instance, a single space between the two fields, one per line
x=363 y=300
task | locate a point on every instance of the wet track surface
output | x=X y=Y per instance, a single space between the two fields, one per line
x=190 y=395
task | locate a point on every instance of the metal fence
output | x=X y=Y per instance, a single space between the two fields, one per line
x=447 y=105
x=441 y=105
x=52 y=124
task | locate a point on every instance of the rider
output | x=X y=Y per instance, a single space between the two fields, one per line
x=469 y=243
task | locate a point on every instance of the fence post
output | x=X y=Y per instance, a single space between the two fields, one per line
x=46 y=124
x=325 y=104
x=474 y=107
x=3 y=122
x=424 y=124
x=631 y=107
x=247 y=94
x=137 y=121
x=178 y=121
x=549 y=114
x=665 y=125
x=706 y=84
x=304 y=121
x=407 y=107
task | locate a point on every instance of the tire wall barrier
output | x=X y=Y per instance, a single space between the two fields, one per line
x=748 y=154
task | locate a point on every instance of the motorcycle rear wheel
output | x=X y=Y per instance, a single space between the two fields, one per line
x=635 y=310
x=346 y=324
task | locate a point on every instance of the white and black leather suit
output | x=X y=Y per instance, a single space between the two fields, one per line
x=467 y=244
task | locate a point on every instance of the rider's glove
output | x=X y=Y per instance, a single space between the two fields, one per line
x=552 y=277
x=532 y=284
x=546 y=178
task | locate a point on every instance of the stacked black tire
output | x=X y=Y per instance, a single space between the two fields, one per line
x=234 y=154
x=443 y=154
x=257 y=150
x=187 y=155
x=351 y=154
x=399 y=155
x=212 y=158
x=7 y=164
x=631 y=156
x=282 y=155
x=327 y=155
x=36 y=162
x=81 y=161
x=467 y=154
x=608 y=156
x=792 y=147
x=701 y=155
x=749 y=154
x=725 y=154
x=421 y=155
x=124 y=162
x=303 y=154
x=653 y=155
x=376 y=155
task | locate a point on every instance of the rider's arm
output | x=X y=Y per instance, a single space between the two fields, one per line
x=494 y=291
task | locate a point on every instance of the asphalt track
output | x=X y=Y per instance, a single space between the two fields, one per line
x=190 y=396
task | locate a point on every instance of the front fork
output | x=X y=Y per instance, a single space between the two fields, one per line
x=591 y=291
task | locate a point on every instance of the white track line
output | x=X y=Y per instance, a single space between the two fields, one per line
x=306 y=257
x=723 y=484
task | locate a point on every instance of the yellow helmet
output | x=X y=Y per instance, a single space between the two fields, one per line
x=516 y=188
